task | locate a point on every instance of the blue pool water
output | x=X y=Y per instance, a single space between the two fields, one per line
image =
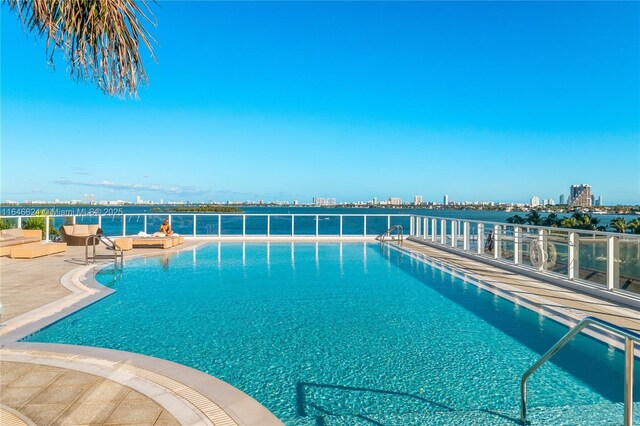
x=349 y=333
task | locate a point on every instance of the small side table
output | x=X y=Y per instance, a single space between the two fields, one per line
x=125 y=243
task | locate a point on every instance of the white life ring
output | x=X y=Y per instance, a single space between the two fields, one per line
x=540 y=258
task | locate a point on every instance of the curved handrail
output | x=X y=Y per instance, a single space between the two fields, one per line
x=111 y=245
x=630 y=338
x=388 y=232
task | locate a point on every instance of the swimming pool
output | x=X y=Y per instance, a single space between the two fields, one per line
x=349 y=333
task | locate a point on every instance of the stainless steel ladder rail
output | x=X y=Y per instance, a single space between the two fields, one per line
x=388 y=232
x=109 y=243
x=630 y=338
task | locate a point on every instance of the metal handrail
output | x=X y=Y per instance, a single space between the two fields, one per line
x=629 y=338
x=388 y=232
x=111 y=245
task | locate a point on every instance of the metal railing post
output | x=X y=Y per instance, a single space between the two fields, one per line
x=365 y=225
x=293 y=225
x=434 y=230
x=219 y=227
x=341 y=225
x=244 y=225
x=100 y=221
x=480 y=246
x=454 y=233
x=317 y=224
x=73 y=219
x=124 y=224
x=19 y=221
x=411 y=225
x=46 y=227
x=465 y=236
x=517 y=252
x=628 y=381
x=613 y=262
x=573 y=267
x=388 y=221
x=497 y=241
x=145 y=223
x=194 y=225
x=268 y=225
x=443 y=231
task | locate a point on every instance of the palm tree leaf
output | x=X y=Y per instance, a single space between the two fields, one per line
x=100 y=39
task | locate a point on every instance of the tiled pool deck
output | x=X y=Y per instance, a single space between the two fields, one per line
x=67 y=384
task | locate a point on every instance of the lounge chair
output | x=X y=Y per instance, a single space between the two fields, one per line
x=76 y=235
x=31 y=250
x=153 y=241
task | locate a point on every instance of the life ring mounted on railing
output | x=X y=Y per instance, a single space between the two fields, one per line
x=541 y=258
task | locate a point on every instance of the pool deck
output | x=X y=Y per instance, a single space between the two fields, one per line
x=66 y=384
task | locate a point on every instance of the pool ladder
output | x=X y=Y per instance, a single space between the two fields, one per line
x=630 y=338
x=388 y=234
x=93 y=241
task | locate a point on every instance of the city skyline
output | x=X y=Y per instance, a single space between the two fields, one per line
x=291 y=117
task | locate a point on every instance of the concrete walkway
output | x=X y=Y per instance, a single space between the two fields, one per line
x=542 y=293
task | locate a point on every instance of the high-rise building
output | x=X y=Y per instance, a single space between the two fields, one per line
x=417 y=200
x=395 y=201
x=445 y=200
x=600 y=203
x=535 y=201
x=86 y=199
x=562 y=200
x=138 y=199
x=552 y=202
x=580 y=195
x=375 y=200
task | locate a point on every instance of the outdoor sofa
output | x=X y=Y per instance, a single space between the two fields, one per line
x=76 y=235
x=17 y=236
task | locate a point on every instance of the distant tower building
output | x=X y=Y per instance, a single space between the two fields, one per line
x=552 y=202
x=395 y=201
x=138 y=199
x=86 y=199
x=580 y=196
x=545 y=202
x=375 y=200
x=600 y=203
x=295 y=202
x=535 y=201
x=562 y=200
x=417 y=200
x=93 y=200
x=445 y=200
x=593 y=199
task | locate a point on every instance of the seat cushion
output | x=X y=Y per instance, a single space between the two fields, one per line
x=81 y=230
x=7 y=238
x=15 y=232
x=93 y=229
x=68 y=229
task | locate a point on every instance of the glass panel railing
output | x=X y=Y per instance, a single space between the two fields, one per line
x=207 y=225
x=592 y=258
x=353 y=225
x=376 y=225
x=328 y=225
x=135 y=224
x=231 y=225
x=305 y=225
x=182 y=224
x=280 y=225
x=256 y=225
x=629 y=252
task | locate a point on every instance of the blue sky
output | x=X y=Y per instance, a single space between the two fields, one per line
x=281 y=101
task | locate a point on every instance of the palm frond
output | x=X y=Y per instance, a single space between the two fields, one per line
x=100 y=39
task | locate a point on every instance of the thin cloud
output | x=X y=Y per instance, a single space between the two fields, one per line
x=113 y=186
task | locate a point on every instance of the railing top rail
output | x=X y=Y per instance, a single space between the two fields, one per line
x=214 y=214
x=550 y=228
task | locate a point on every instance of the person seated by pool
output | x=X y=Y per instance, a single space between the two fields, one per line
x=165 y=228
